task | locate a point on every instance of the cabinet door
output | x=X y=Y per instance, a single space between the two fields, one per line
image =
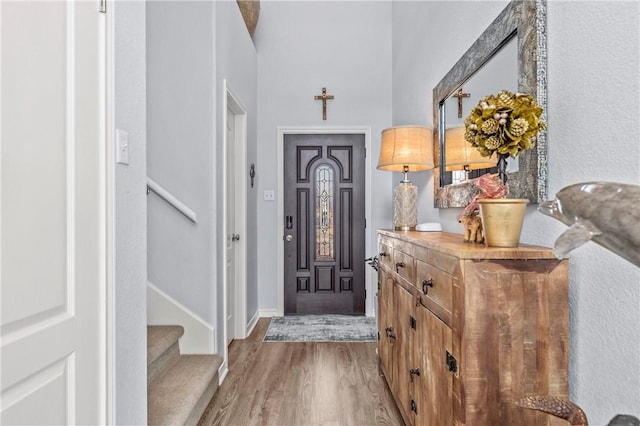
x=386 y=321
x=434 y=385
x=404 y=303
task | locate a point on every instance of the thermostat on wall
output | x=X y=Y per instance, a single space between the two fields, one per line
x=429 y=227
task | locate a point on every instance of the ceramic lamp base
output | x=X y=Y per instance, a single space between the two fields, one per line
x=405 y=211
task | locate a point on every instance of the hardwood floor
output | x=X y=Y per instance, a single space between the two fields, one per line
x=287 y=384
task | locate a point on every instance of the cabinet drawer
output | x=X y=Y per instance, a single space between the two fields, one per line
x=442 y=261
x=405 y=247
x=385 y=255
x=404 y=265
x=386 y=240
x=437 y=287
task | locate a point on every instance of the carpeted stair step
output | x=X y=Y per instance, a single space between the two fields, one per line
x=163 y=349
x=181 y=394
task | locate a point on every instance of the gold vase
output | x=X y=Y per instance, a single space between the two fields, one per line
x=502 y=221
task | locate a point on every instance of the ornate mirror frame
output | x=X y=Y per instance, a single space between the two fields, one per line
x=526 y=20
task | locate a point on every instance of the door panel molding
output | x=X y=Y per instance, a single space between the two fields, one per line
x=308 y=155
x=346 y=211
x=303 y=227
x=342 y=155
x=285 y=130
x=54 y=383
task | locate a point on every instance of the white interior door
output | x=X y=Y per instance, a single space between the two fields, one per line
x=235 y=226
x=232 y=236
x=52 y=229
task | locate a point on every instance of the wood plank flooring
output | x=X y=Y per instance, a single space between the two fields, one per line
x=306 y=384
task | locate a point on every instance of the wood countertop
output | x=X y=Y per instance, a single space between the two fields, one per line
x=453 y=244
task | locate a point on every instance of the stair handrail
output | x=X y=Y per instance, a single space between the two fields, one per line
x=171 y=199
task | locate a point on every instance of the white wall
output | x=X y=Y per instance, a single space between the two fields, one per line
x=180 y=151
x=344 y=46
x=593 y=50
x=426 y=44
x=192 y=47
x=236 y=61
x=130 y=214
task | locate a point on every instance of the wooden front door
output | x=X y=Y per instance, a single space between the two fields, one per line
x=324 y=224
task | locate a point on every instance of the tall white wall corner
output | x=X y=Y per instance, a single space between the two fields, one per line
x=252 y=324
x=199 y=336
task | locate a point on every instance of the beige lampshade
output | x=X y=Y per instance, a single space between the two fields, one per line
x=410 y=146
x=459 y=153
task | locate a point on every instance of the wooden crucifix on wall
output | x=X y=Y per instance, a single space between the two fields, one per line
x=461 y=95
x=323 y=98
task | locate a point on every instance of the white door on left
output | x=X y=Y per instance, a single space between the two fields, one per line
x=53 y=250
x=231 y=227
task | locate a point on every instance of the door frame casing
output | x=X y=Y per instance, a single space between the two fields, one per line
x=232 y=102
x=109 y=316
x=286 y=130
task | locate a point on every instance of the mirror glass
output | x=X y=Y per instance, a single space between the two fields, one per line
x=500 y=72
x=511 y=55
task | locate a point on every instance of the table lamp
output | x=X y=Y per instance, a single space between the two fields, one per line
x=406 y=149
x=461 y=155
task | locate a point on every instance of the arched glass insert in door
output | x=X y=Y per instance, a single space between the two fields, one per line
x=324 y=177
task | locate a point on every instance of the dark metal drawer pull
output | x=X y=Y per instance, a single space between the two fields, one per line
x=427 y=283
x=390 y=333
x=413 y=372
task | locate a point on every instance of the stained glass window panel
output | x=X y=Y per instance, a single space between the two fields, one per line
x=324 y=212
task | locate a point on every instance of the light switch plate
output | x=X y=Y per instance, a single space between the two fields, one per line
x=122 y=147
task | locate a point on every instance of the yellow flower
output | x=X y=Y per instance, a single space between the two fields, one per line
x=518 y=127
x=506 y=123
x=470 y=136
x=492 y=143
x=490 y=126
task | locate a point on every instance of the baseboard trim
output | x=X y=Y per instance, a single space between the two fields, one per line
x=223 y=370
x=252 y=323
x=268 y=313
x=199 y=336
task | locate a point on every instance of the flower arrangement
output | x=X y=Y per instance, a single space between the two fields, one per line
x=491 y=187
x=506 y=123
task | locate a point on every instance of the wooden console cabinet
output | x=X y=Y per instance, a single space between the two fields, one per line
x=465 y=330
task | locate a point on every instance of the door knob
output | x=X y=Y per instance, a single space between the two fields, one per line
x=289 y=237
x=235 y=237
